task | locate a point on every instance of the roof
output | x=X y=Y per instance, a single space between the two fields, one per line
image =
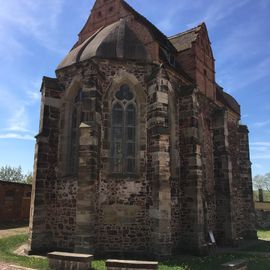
x=228 y=100
x=157 y=34
x=116 y=40
x=183 y=41
x=14 y=183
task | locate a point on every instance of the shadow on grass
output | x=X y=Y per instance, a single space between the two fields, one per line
x=213 y=262
x=259 y=246
x=9 y=244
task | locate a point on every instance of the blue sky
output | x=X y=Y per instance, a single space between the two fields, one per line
x=36 y=34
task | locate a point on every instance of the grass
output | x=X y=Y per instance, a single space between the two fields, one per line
x=9 y=244
x=266 y=195
x=264 y=234
x=7 y=247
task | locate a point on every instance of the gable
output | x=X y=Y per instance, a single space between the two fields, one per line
x=185 y=40
x=106 y=12
x=203 y=41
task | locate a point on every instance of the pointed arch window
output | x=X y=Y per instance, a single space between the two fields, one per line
x=123 y=134
x=76 y=118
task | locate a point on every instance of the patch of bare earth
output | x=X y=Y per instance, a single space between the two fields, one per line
x=4 y=266
x=13 y=231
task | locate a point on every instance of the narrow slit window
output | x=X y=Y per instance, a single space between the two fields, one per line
x=76 y=115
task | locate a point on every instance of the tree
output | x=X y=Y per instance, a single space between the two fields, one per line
x=14 y=174
x=267 y=181
x=259 y=182
x=29 y=178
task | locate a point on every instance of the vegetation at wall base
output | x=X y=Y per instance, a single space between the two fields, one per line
x=264 y=235
x=7 y=247
x=9 y=244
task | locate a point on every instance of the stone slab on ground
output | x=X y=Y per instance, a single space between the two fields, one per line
x=235 y=265
x=130 y=264
x=70 y=261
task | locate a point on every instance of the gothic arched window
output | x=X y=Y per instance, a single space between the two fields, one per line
x=123 y=134
x=76 y=115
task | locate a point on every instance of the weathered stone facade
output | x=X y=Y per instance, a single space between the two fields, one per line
x=176 y=169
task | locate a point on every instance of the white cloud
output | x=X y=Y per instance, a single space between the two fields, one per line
x=260 y=150
x=29 y=18
x=33 y=96
x=17 y=136
x=245 y=77
x=261 y=124
x=16 y=114
x=261 y=156
x=219 y=10
x=19 y=121
x=258 y=166
x=216 y=11
x=33 y=92
x=267 y=144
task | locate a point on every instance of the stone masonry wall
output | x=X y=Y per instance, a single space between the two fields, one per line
x=60 y=221
x=247 y=204
x=206 y=110
x=177 y=195
x=123 y=222
x=45 y=169
x=237 y=188
x=192 y=234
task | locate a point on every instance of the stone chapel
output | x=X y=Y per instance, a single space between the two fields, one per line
x=139 y=151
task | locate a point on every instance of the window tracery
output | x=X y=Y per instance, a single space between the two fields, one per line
x=123 y=134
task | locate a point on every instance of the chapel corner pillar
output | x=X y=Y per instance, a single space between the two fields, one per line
x=86 y=213
x=38 y=237
x=225 y=229
x=45 y=167
x=192 y=220
x=249 y=229
x=159 y=168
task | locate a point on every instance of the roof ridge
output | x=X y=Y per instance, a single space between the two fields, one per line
x=187 y=31
x=154 y=28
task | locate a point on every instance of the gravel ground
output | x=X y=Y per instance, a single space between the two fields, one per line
x=4 y=266
x=10 y=232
